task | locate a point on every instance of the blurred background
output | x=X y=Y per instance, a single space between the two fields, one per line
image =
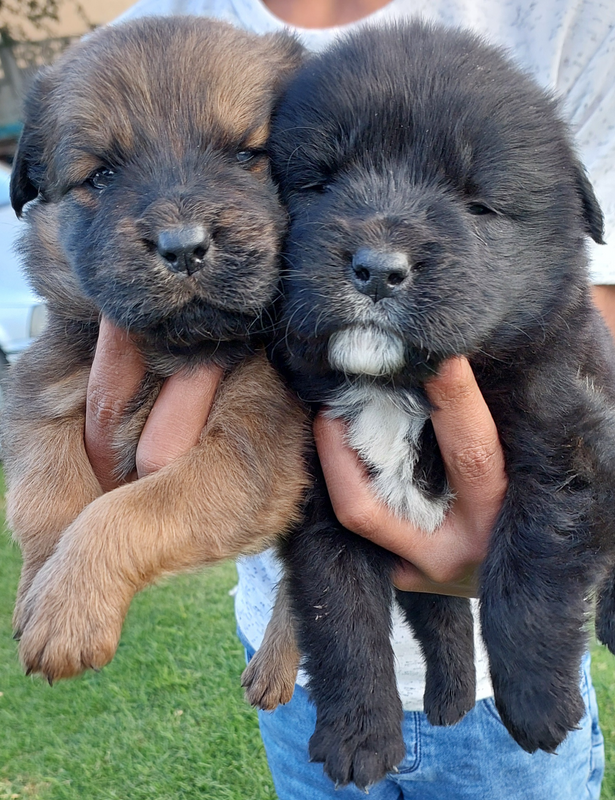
x=33 y=33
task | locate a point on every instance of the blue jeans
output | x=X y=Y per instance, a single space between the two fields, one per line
x=473 y=760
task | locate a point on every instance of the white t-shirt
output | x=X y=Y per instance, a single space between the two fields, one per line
x=569 y=47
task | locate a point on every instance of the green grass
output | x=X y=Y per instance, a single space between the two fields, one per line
x=603 y=674
x=165 y=720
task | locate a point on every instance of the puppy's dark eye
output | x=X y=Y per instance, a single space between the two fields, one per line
x=315 y=186
x=248 y=156
x=479 y=209
x=101 y=178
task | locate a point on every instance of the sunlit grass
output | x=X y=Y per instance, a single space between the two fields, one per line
x=165 y=720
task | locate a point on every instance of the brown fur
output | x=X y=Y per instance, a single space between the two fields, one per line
x=269 y=679
x=86 y=553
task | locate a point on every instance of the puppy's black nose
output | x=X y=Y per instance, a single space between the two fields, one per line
x=377 y=273
x=184 y=248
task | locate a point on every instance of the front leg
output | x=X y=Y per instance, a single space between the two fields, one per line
x=534 y=588
x=54 y=484
x=48 y=475
x=233 y=493
x=341 y=590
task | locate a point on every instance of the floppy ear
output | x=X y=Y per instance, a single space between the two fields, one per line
x=29 y=168
x=592 y=213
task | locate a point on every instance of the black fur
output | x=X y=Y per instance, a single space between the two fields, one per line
x=428 y=142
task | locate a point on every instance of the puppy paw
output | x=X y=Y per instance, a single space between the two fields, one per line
x=446 y=703
x=539 y=718
x=605 y=620
x=266 y=685
x=29 y=571
x=449 y=707
x=20 y=612
x=359 y=751
x=69 y=624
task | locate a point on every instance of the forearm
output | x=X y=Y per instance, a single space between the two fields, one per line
x=604 y=298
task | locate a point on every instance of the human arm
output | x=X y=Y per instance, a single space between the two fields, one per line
x=604 y=299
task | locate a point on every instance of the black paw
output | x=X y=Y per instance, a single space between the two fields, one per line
x=605 y=627
x=539 y=718
x=357 y=751
x=447 y=702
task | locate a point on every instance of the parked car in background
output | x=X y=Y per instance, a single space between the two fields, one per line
x=22 y=313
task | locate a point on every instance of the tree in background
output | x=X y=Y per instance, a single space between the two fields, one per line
x=17 y=17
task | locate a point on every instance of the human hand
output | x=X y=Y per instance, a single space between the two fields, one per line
x=175 y=422
x=447 y=560
x=71 y=617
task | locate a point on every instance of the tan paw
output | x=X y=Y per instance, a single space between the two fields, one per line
x=268 y=684
x=69 y=623
x=28 y=573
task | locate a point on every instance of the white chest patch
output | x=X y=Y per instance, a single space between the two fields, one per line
x=385 y=434
x=366 y=351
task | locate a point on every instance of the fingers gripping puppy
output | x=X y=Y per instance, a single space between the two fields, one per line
x=142 y=152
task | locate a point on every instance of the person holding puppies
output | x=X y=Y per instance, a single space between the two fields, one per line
x=569 y=45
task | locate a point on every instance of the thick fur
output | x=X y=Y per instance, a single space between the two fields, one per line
x=437 y=208
x=144 y=130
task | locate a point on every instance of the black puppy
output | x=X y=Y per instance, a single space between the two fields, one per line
x=437 y=208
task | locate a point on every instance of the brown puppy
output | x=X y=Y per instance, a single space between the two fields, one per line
x=143 y=153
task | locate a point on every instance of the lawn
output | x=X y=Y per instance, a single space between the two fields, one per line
x=166 y=720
